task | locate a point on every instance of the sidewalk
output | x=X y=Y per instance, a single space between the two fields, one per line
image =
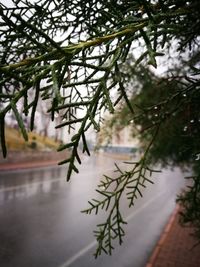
x=27 y=165
x=30 y=159
x=176 y=246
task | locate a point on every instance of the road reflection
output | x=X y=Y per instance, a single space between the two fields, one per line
x=41 y=224
x=26 y=183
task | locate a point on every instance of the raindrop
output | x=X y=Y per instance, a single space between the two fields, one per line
x=197 y=156
x=155 y=107
x=184 y=95
x=191 y=121
x=156 y=115
x=185 y=128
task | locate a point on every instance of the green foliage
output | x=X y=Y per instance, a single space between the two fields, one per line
x=173 y=105
x=190 y=201
x=112 y=189
x=82 y=48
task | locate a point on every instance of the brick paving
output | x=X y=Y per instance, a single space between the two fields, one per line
x=176 y=246
x=27 y=165
x=30 y=159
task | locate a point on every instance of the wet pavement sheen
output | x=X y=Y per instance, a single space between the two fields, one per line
x=41 y=224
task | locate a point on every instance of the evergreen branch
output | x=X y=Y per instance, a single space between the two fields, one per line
x=2 y=134
x=130 y=183
x=69 y=123
x=26 y=61
x=19 y=120
x=82 y=83
x=77 y=137
x=122 y=89
x=71 y=50
x=40 y=32
x=90 y=116
x=85 y=146
x=35 y=102
x=70 y=105
x=112 y=190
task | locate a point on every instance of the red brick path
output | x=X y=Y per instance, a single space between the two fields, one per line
x=30 y=159
x=27 y=165
x=175 y=247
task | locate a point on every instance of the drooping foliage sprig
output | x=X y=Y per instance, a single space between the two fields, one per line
x=173 y=105
x=129 y=183
x=125 y=183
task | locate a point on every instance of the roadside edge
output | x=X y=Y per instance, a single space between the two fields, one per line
x=162 y=239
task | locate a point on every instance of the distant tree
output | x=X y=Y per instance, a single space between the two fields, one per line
x=82 y=48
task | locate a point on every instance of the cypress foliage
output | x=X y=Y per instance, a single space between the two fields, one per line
x=86 y=46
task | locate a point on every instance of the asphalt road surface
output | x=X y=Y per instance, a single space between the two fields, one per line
x=41 y=224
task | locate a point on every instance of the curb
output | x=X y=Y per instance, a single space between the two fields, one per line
x=161 y=241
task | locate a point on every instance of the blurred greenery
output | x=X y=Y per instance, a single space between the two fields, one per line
x=170 y=104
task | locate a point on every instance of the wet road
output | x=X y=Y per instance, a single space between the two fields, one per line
x=41 y=224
